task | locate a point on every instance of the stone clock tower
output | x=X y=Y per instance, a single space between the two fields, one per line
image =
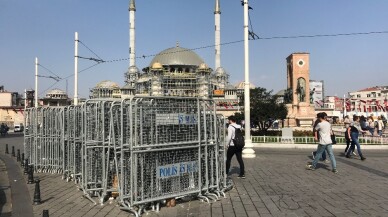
x=300 y=112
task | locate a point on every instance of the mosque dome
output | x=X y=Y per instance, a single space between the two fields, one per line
x=157 y=65
x=56 y=92
x=220 y=71
x=177 y=56
x=230 y=87
x=107 y=84
x=241 y=85
x=203 y=66
x=133 y=70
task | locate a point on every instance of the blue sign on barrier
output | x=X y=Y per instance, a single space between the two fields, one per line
x=172 y=170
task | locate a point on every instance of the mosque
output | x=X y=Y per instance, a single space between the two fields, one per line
x=176 y=71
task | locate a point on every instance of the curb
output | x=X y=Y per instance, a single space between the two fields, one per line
x=313 y=146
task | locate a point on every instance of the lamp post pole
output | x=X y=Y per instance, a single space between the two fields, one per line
x=76 y=69
x=36 y=81
x=248 y=151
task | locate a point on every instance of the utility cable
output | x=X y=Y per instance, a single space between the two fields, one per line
x=255 y=39
x=89 y=49
x=42 y=92
x=99 y=61
x=57 y=76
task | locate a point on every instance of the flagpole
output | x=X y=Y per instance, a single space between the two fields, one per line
x=344 y=106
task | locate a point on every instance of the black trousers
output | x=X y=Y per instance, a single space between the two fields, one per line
x=232 y=151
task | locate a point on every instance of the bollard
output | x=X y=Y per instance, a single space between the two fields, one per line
x=37 y=199
x=6 y=149
x=18 y=155
x=45 y=213
x=30 y=174
x=22 y=160
x=25 y=167
x=13 y=151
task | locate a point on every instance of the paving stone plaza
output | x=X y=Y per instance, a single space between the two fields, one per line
x=277 y=184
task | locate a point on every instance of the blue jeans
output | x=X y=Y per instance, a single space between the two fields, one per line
x=355 y=142
x=320 y=150
x=371 y=130
x=323 y=155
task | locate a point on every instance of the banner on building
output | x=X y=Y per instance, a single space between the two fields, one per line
x=316 y=93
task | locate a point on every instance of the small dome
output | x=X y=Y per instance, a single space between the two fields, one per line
x=220 y=71
x=107 y=84
x=241 y=85
x=133 y=70
x=203 y=66
x=230 y=87
x=56 y=91
x=157 y=65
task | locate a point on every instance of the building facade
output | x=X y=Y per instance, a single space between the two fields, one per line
x=56 y=97
x=371 y=100
x=11 y=108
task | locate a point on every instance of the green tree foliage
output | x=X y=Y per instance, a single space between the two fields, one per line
x=264 y=108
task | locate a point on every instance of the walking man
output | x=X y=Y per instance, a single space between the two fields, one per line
x=323 y=129
x=232 y=149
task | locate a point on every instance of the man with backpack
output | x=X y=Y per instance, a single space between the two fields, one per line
x=235 y=144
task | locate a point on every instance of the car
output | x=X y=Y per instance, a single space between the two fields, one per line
x=18 y=128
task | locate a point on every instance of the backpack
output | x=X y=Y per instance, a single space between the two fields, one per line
x=346 y=134
x=238 y=140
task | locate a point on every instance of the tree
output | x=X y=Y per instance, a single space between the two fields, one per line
x=264 y=108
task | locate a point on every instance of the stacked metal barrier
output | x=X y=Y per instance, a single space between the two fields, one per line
x=72 y=142
x=95 y=150
x=142 y=150
x=44 y=137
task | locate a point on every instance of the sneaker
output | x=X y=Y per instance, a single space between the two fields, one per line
x=335 y=171
x=310 y=167
x=241 y=176
x=312 y=153
x=347 y=156
x=354 y=153
x=363 y=158
x=327 y=161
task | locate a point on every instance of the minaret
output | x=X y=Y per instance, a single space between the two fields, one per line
x=220 y=76
x=133 y=72
x=132 y=10
x=217 y=13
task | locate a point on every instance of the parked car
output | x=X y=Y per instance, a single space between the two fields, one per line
x=18 y=128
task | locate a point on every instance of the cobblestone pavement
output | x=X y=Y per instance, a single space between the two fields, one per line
x=277 y=184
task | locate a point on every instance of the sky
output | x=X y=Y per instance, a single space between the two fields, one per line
x=45 y=29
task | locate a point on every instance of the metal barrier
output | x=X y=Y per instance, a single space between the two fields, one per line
x=95 y=148
x=72 y=142
x=44 y=137
x=169 y=149
x=141 y=150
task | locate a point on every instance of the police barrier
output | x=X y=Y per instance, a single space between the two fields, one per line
x=141 y=150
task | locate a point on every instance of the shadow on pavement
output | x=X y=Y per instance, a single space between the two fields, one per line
x=365 y=168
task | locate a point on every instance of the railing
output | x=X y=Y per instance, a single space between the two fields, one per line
x=367 y=140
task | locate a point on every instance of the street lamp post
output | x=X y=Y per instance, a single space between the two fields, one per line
x=36 y=81
x=76 y=69
x=248 y=151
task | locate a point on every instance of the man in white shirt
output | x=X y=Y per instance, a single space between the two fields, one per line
x=232 y=150
x=323 y=129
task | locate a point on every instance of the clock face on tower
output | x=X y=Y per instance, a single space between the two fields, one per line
x=300 y=63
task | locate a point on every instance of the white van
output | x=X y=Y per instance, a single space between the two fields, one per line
x=18 y=128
